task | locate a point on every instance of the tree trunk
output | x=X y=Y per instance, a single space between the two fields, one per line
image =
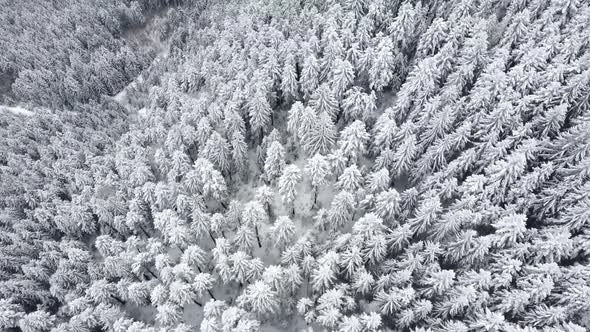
x=197 y=303
x=211 y=294
x=118 y=299
x=315 y=196
x=150 y=216
x=150 y=272
x=212 y=238
x=257 y=236
x=144 y=231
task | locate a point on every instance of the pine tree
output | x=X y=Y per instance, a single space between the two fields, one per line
x=37 y=321
x=387 y=205
x=287 y=185
x=275 y=161
x=203 y=282
x=168 y=314
x=333 y=49
x=260 y=112
x=371 y=321
x=139 y=293
x=283 y=231
x=217 y=150
x=253 y=215
x=404 y=156
x=180 y=164
x=323 y=277
x=317 y=169
x=350 y=180
x=324 y=101
x=381 y=72
x=102 y=291
x=265 y=195
x=307 y=122
x=261 y=298
x=310 y=75
x=329 y=317
x=341 y=209
x=363 y=282
x=433 y=38
x=294 y=119
x=426 y=214
x=209 y=179
x=353 y=140
x=159 y=295
x=510 y=229
x=245 y=237
x=289 y=84
x=343 y=77
x=321 y=136
x=378 y=181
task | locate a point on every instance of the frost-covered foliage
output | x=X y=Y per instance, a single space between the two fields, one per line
x=63 y=52
x=341 y=165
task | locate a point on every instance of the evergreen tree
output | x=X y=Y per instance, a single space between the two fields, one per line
x=343 y=76
x=289 y=84
x=353 y=140
x=317 y=169
x=275 y=161
x=283 y=231
x=350 y=180
x=310 y=75
x=321 y=136
x=324 y=101
x=260 y=112
x=381 y=72
x=37 y=321
x=288 y=185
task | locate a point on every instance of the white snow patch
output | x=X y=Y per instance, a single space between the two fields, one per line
x=16 y=110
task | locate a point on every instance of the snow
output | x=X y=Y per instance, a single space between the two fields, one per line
x=146 y=37
x=17 y=110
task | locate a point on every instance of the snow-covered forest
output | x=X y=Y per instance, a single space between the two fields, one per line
x=295 y=165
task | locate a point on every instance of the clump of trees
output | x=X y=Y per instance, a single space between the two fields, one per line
x=61 y=53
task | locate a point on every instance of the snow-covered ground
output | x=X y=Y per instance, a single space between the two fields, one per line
x=16 y=110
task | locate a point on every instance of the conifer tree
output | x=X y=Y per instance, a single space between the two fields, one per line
x=310 y=75
x=289 y=84
x=350 y=180
x=317 y=169
x=253 y=215
x=381 y=72
x=353 y=140
x=343 y=77
x=283 y=231
x=288 y=185
x=260 y=112
x=321 y=136
x=324 y=101
x=275 y=161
